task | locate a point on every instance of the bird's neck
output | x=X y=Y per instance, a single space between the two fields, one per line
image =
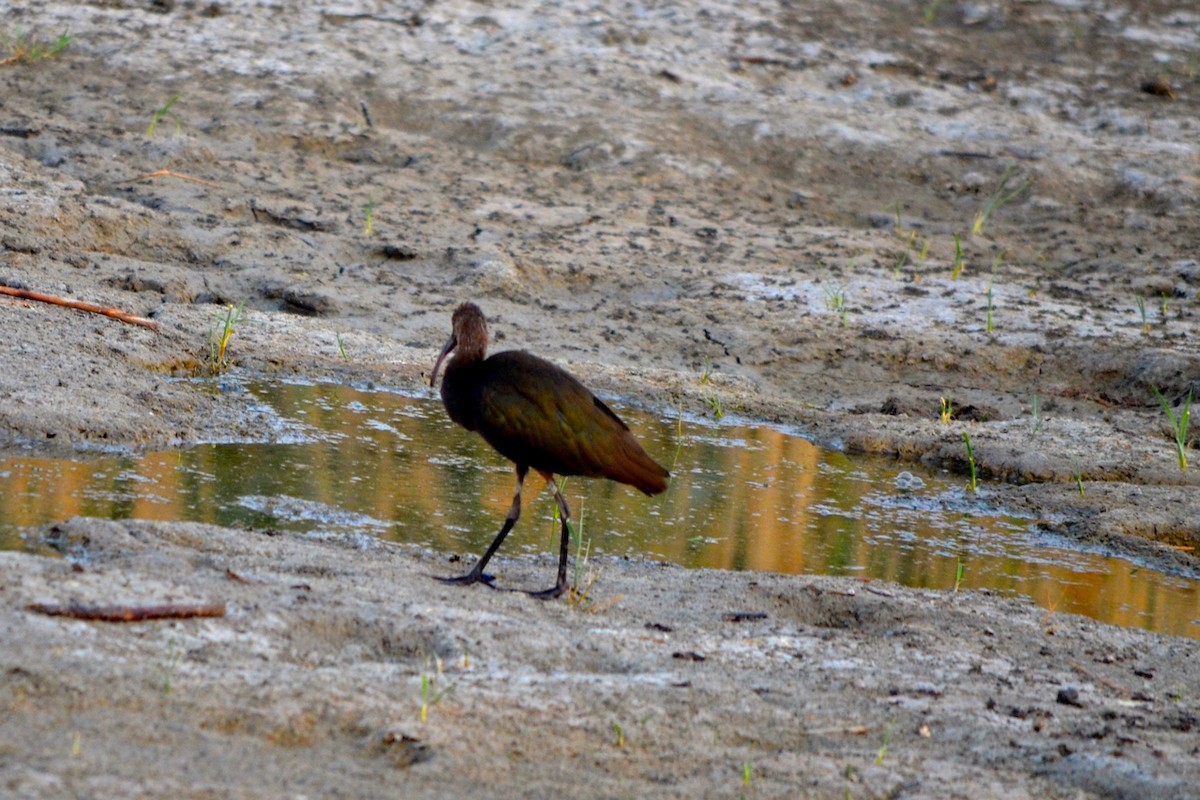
x=465 y=354
x=460 y=386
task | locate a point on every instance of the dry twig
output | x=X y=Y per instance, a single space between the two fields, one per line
x=81 y=305
x=166 y=173
x=1116 y=687
x=128 y=613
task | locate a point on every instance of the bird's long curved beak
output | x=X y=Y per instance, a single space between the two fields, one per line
x=451 y=343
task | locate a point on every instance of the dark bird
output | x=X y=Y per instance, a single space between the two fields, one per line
x=539 y=417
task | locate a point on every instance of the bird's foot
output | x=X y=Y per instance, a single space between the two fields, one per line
x=549 y=594
x=468 y=579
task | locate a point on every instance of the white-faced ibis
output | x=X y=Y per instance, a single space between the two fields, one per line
x=540 y=417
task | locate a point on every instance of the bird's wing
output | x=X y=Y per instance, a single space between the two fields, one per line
x=537 y=414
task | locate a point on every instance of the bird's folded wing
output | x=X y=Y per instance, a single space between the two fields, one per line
x=552 y=425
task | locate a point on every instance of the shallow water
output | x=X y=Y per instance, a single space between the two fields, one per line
x=741 y=497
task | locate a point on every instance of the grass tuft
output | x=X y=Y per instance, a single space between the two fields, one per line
x=714 y=405
x=887 y=739
x=369 y=226
x=173 y=656
x=1141 y=307
x=835 y=301
x=988 y=323
x=22 y=48
x=430 y=694
x=959 y=263
x=1000 y=197
x=218 y=342
x=1179 y=425
x=164 y=112
x=947 y=412
x=973 y=484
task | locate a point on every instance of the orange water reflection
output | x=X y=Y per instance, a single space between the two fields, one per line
x=740 y=498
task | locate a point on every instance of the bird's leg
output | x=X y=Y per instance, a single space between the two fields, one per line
x=476 y=575
x=564 y=514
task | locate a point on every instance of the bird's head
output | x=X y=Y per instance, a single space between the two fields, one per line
x=469 y=336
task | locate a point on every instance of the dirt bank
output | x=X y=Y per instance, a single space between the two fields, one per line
x=672 y=683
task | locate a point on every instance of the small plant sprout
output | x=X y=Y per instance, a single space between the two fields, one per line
x=988 y=322
x=23 y=48
x=678 y=435
x=173 y=656
x=835 y=301
x=973 y=484
x=706 y=371
x=583 y=578
x=430 y=695
x=165 y=111
x=1179 y=424
x=1141 y=307
x=342 y=348
x=887 y=739
x=76 y=745
x=1000 y=197
x=1192 y=68
x=620 y=732
x=714 y=405
x=1036 y=410
x=1078 y=475
x=958 y=258
x=931 y=10
x=958 y=575
x=218 y=342
x=369 y=227
x=947 y=412
x=746 y=773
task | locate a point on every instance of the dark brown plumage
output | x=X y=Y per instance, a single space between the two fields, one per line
x=539 y=417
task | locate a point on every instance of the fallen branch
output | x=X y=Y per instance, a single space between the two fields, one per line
x=81 y=305
x=1116 y=687
x=167 y=173
x=128 y=613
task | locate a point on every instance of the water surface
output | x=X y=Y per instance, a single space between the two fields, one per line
x=741 y=497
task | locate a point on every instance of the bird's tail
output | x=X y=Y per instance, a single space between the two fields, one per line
x=633 y=466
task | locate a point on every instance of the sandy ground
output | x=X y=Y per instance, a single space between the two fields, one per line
x=635 y=191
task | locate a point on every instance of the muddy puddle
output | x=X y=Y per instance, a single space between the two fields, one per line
x=355 y=461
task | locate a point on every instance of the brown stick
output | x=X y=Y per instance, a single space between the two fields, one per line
x=128 y=613
x=82 y=305
x=1116 y=687
x=167 y=173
